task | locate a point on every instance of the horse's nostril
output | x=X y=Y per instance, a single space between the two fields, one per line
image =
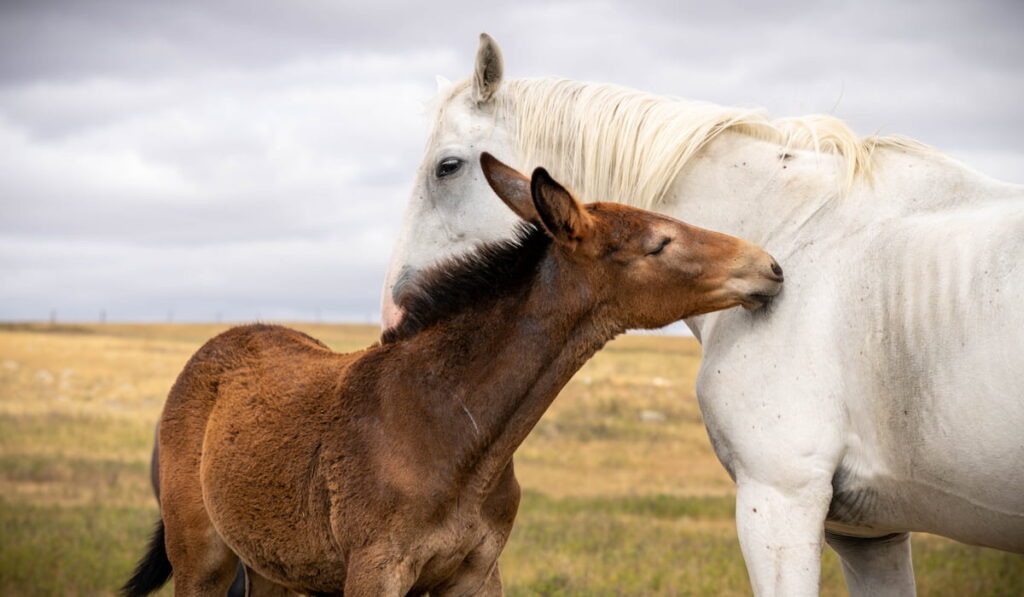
x=776 y=268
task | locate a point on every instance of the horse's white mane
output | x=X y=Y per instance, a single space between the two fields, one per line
x=584 y=131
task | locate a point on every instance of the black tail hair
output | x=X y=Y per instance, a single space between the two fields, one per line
x=154 y=568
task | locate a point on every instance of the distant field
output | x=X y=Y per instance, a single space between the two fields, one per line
x=623 y=495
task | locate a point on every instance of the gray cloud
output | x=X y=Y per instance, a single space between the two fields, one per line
x=240 y=158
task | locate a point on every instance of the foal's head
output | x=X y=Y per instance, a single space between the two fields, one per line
x=643 y=269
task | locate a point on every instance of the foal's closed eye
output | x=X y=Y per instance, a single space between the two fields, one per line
x=661 y=247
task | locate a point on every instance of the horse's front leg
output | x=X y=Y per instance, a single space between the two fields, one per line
x=781 y=529
x=877 y=566
x=781 y=437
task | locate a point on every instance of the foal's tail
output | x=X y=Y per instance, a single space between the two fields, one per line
x=153 y=570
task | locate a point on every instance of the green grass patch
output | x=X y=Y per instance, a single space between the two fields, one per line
x=52 y=550
x=613 y=547
x=75 y=433
x=34 y=468
x=664 y=507
x=76 y=510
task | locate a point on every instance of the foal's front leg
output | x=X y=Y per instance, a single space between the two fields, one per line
x=492 y=586
x=473 y=581
x=378 y=573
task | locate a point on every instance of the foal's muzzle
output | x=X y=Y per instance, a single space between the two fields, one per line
x=758 y=278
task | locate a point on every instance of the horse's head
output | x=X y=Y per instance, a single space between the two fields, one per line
x=451 y=210
x=644 y=270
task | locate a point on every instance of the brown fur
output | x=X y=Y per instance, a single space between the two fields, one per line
x=389 y=471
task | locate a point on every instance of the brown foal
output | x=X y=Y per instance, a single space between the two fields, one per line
x=388 y=472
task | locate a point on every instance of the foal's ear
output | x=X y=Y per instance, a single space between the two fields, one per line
x=511 y=187
x=562 y=216
x=489 y=70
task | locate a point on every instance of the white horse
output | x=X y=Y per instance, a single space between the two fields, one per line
x=882 y=392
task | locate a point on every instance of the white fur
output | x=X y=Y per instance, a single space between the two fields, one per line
x=885 y=383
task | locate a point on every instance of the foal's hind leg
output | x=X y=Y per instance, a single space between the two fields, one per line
x=876 y=566
x=258 y=586
x=202 y=563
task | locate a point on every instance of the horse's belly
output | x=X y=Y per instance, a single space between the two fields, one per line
x=951 y=446
x=936 y=401
x=871 y=506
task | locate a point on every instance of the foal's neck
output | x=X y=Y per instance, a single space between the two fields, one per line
x=505 y=362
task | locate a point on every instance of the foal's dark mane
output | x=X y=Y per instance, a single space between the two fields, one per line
x=467 y=280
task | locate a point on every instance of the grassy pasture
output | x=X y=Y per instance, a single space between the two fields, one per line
x=623 y=495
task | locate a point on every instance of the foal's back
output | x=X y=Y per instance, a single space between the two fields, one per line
x=261 y=365
x=260 y=380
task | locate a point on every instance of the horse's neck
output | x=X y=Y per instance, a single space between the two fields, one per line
x=503 y=364
x=780 y=198
x=752 y=189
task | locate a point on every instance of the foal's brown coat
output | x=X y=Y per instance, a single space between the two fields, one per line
x=389 y=471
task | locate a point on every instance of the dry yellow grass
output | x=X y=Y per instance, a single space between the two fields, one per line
x=623 y=494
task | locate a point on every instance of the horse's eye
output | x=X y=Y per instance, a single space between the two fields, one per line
x=661 y=247
x=447 y=167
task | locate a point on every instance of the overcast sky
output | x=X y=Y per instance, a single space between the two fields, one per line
x=233 y=160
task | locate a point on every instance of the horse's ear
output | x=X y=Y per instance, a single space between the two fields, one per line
x=489 y=70
x=562 y=216
x=511 y=187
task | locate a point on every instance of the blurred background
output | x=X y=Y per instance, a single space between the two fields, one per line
x=230 y=161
